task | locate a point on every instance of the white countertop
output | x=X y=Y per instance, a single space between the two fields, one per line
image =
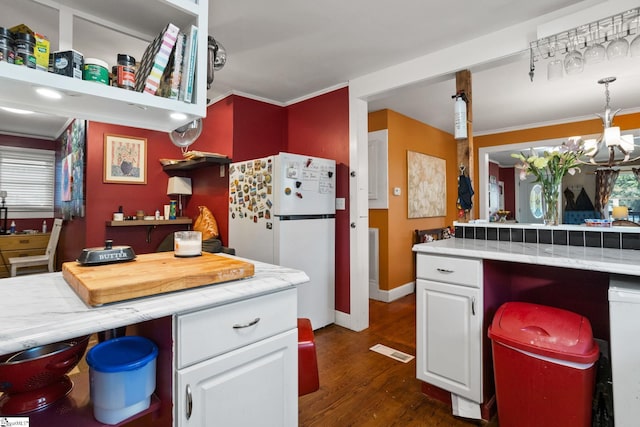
x=42 y=308
x=617 y=261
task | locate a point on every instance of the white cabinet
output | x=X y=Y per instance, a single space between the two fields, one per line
x=93 y=101
x=237 y=364
x=449 y=311
x=251 y=386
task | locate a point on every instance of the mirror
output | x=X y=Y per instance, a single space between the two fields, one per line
x=496 y=162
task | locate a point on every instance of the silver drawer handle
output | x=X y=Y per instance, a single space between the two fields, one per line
x=246 y=325
x=189 y=402
x=444 y=270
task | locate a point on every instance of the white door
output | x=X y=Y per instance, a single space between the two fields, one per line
x=449 y=337
x=252 y=386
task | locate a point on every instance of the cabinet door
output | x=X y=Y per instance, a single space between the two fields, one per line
x=256 y=385
x=448 y=342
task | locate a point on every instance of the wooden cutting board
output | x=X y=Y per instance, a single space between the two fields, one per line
x=150 y=274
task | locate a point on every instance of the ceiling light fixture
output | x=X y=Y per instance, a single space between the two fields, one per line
x=16 y=110
x=616 y=147
x=49 y=93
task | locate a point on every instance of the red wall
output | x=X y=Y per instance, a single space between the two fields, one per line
x=102 y=199
x=320 y=127
x=259 y=129
x=237 y=127
x=507 y=175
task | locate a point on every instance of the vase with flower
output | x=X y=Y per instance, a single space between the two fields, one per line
x=548 y=170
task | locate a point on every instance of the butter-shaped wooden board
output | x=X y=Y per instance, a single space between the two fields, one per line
x=150 y=274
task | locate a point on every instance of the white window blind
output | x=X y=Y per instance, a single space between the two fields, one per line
x=28 y=177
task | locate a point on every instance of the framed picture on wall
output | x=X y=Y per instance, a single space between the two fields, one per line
x=125 y=159
x=426 y=189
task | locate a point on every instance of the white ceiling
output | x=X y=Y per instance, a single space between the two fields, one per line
x=285 y=50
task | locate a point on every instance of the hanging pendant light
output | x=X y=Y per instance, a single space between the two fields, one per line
x=616 y=147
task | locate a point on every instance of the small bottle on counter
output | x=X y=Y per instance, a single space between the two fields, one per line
x=157 y=214
x=12 y=229
x=44 y=226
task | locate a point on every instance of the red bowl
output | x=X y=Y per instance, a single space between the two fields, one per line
x=40 y=366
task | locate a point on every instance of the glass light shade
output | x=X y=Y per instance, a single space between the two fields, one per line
x=613 y=138
x=620 y=212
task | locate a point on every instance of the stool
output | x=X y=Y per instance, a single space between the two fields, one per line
x=308 y=381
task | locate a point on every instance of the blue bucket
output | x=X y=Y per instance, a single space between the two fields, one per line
x=123 y=377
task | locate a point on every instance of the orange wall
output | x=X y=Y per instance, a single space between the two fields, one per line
x=396 y=229
x=594 y=126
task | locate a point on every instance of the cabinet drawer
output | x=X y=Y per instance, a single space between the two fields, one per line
x=24 y=241
x=207 y=333
x=458 y=271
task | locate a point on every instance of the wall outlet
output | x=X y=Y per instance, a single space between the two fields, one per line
x=340 y=203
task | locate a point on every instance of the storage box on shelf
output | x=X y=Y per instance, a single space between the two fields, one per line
x=109 y=104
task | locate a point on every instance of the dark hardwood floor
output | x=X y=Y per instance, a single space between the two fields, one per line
x=359 y=387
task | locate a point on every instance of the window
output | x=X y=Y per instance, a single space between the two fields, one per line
x=626 y=192
x=28 y=177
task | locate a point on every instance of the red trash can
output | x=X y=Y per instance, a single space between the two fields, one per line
x=544 y=366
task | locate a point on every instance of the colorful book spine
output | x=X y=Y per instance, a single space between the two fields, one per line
x=176 y=73
x=189 y=65
x=161 y=59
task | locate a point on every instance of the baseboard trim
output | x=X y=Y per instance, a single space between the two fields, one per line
x=393 y=294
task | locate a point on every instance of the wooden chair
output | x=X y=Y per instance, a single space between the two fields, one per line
x=47 y=259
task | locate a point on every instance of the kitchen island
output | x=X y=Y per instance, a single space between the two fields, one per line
x=461 y=282
x=194 y=330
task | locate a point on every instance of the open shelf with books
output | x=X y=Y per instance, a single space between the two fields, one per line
x=79 y=21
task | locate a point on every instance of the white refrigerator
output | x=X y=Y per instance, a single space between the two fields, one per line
x=282 y=211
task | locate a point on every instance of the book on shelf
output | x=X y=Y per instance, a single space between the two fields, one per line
x=176 y=72
x=155 y=59
x=189 y=65
x=171 y=78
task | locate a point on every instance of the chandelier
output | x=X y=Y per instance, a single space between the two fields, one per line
x=611 y=148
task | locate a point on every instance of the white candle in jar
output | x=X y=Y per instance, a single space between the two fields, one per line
x=187 y=243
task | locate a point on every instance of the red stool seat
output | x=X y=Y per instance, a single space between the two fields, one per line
x=308 y=380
